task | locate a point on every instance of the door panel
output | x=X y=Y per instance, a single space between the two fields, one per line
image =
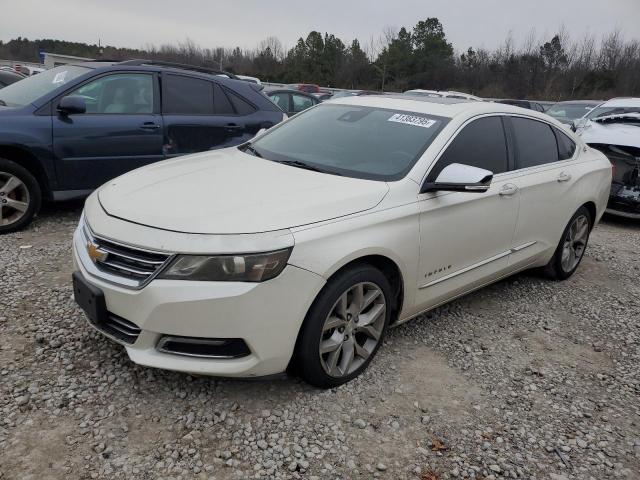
x=119 y=132
x=465 y=241
x=545 y=209
x=466 y=237
x=545 y=175
x=198 y=115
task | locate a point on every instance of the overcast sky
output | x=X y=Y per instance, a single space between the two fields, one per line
x=228 y=23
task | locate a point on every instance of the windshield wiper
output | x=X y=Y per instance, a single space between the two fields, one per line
x=250 y=148
x=306 y=166
x=3 y=103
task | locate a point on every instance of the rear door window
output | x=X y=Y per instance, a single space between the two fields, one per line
x=222 y=104
x=482 y=143
x=241 y=106
x=535 y=143
x=186 y=95
x=566 y=146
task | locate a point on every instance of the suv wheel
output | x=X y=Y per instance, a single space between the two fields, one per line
x=572 y=245
x=20 y=196
x=344 y=327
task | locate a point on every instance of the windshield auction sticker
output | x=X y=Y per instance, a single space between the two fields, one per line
x=60 y=77
x=412 y=120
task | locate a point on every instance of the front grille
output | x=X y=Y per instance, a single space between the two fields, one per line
x=120 y=328
x=134 y=264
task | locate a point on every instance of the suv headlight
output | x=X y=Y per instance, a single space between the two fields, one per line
x=254 y=267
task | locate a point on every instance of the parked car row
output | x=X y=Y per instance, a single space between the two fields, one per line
x=301 y=247
x=70 y=129
x=318 y=218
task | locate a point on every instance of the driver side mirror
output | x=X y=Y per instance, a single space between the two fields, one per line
x=72 y=104
x=457 y=177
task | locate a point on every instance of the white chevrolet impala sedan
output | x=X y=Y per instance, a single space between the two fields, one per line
x=302 y=247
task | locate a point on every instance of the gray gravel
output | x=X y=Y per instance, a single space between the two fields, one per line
x=524 y=379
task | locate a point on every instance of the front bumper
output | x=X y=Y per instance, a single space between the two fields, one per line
x=267 y=316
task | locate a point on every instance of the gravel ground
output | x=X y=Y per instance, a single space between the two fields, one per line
x=524 y=379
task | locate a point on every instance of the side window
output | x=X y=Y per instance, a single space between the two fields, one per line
x=282 y=100
x=481 y=144
x=241 y=106
x=300 y=102
x=535 y=141
x=222 y=105
x=186 y=96
x=120 y=93
x=566 y=146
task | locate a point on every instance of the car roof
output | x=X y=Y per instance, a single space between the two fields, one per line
x=579 y=102
x=286 y=90
x=622 y=102
x=440 y=106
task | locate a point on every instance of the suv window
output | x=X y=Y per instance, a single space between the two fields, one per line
x=222 y=105
x=535 y=141
x=482 y=144
x=241 y=106
x=122 y=93
x=300 y=102
x=566 y=146
x=186 y=95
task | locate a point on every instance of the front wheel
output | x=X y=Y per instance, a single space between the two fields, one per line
x=344 y=327
x=20 y=196
x=572 y=246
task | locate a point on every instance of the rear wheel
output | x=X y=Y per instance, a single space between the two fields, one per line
x=344 y=327
x=572 y=246
x=20 y=196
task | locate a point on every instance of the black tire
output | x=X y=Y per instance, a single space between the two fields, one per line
x=555 y=268
x=307 y=358
x=33 y=196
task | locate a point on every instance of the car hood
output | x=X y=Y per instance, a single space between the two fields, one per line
x=228 y=191
x=610 y=134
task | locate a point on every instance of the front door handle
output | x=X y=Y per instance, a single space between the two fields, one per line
x=564 y=177
x=149 y=126
x=508 y=189
x=232 y=127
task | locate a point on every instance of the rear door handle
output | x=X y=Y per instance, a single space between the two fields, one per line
x=232 y=127
x=507 y=190
x=564 y=177
x=149 y=126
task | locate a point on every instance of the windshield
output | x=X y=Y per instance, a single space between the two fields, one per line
x=30 y=89
x=600 y=111
x=351 y=140
x=570 y=111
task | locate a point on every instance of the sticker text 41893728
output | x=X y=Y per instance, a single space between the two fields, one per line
x=412 y=120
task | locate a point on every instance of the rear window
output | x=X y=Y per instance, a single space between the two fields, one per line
x=355 y=141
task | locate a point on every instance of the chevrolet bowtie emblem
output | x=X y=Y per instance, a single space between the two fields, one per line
x=95 y=254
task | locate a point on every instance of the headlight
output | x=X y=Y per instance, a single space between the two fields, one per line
x=256 y=267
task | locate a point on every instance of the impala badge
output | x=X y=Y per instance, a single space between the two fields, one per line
x=95 y=254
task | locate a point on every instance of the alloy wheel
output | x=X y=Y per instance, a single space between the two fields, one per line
x=14 y=199
x=575 y=242
x=353 y=329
